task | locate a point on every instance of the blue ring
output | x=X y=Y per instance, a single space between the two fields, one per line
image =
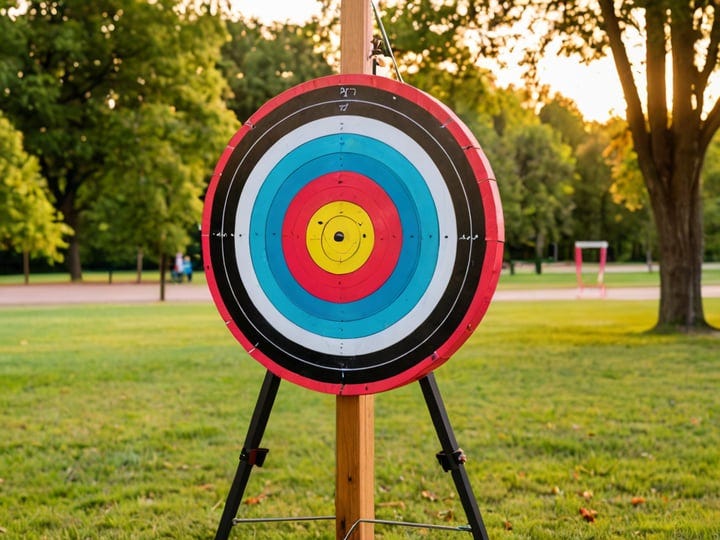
x=396 y=282
x=418 y=216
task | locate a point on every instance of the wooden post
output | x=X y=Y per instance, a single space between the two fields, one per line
x=355 y=415
x=355 y=36
x=355 y=465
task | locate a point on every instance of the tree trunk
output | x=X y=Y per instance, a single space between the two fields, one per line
x=26 y=266
x=139 y=265
x=539 y=250
x=74 y=265
x=73 y=259
x=163 y=265
x=678 y=218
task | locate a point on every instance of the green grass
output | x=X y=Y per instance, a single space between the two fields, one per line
x=125 y=422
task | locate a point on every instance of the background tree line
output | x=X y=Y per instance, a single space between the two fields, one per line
x=113 y=113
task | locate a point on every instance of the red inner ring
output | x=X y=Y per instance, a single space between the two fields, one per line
x=357 y=189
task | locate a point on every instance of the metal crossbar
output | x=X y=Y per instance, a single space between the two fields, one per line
x=459 y=528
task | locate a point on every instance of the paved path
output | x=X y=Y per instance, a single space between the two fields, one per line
x=99 y=293
x=102 y=293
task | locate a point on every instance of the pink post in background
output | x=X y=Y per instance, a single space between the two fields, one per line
x=578 y=267
x=602 y=246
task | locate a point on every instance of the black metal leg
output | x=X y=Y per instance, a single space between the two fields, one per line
x=451 y=458
x=251 y=453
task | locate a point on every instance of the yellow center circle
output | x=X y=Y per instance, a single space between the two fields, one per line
x=340 y=237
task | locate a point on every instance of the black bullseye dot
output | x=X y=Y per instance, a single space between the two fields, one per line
x=339 y=236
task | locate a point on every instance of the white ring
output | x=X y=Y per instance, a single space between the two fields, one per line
x=435 y=182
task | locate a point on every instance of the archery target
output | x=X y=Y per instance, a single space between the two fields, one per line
x=352 y=234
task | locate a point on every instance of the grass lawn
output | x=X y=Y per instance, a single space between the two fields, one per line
x=126 y=421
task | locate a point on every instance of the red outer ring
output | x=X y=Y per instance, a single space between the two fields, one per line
x=494 y=237
x=491 y=264
x=358 y=189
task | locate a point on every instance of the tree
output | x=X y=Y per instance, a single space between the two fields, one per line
x=563 y=115
x=609 y=198
x=671 y=130
x=533 y=168
x=260 y=62
x=670 y=140
x=545 y=169
x=78 y=75
x=29 y=224
x=711 y=198
x=150 y=195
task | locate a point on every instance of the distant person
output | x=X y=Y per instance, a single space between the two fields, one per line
x=179 y=268
x=187 y=268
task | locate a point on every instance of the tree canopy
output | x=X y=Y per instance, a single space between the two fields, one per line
x=259 y=62
x=29 y=224
x=83 y=81
x=671 y=121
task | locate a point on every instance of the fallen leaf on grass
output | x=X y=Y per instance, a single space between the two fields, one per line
x=256 y=500
x=507 y=525
x=446 y=515
x=588 y=514
x=429 y=495
x=3 y=530
x=635 y=501
x=206 y=487
x=587 y=494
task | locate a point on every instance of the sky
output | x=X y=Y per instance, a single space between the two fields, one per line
x=594 y=88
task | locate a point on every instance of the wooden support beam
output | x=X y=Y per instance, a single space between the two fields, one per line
x=355 y=36
x=355 y=415
x=355 y=465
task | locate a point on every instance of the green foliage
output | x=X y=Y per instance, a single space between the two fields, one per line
x=609 y=198
x=427 y=34
x=711 y=201
x=669 y=136
x=534 y=168
x=150 y=196
x=259 y=62
x=130 y=427
x=28 y=222
x=671 y=128
x=563 y=115
x=628 y=187
x=542 y=181
x=83 y=80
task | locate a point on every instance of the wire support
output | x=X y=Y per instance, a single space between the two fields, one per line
x=238 y=521
x=459 y=528
x=386 y=40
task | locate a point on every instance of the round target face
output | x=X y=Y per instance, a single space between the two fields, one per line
x=352 y=234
